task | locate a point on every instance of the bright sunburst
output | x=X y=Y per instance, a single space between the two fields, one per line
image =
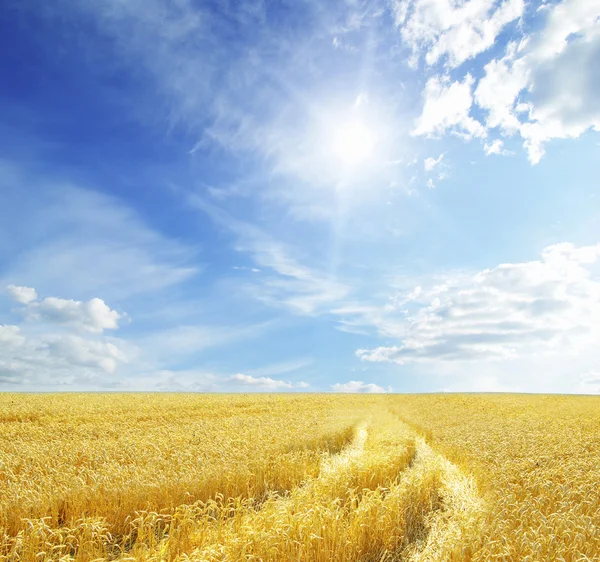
x=353 y=143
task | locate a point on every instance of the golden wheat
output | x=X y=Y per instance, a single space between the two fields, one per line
x=537 y=462
x=67 y=460
x=299 y=477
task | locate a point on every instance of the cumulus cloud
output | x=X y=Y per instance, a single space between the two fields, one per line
x=23 y=295
x=11 y=335
x=446 y=108
x=92 y=316
x=450 y=30
x=359 y=387
x=53 y=359
x=544 y=87
x=265 y=383
x=541 y=307
x=75 y=350
x=37 y=352
x=497 y=92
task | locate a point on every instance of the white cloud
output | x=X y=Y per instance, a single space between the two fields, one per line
x=497 y=92
x=431 y=162
x=457 y=31
x=11 y=336
x=77 y=351
x=48 y=359
x=496 y=147
x=23 y=295
x=538 y=308
x=542 y=87
x=265 y=383
x=438 y=166
x=359 y=387
x=446 y=108
x=58 y=355
x=553 y=70
x=92 y=316
x=38 y=353
x=194 y=380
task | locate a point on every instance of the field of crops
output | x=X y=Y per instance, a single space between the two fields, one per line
x=299 y=477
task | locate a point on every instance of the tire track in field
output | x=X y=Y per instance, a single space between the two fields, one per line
x=328 y=517
x=459 y=514
x=419 y=507
x=353 y=450
x=146 y=529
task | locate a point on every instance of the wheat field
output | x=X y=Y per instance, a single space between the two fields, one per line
x=299 y=477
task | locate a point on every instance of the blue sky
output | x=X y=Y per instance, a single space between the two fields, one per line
x=300 y=196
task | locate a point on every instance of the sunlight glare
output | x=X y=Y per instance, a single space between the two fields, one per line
x=353 y=143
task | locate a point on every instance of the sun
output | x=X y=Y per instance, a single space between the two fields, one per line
x=347 y=146
x=353 y=142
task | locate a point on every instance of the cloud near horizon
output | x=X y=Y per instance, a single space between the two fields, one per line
x=359 y=387
x=265 y=383
x=550 y=306
x=41 y=353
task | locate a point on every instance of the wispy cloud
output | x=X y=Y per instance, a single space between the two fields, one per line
x=284 y=282
x=169 y=345
x=281 y=368
x=82 y=242
x=437 y=168
x=284 y=129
